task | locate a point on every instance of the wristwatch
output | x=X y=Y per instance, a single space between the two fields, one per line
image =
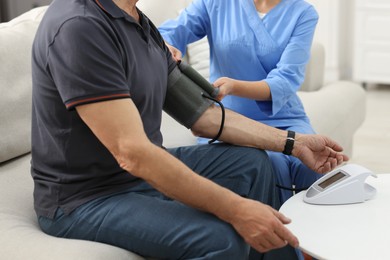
x=288 y=147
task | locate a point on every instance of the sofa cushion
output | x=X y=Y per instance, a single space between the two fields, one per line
x=16 y=38
x=314 y=76
x=20 y=236
x=336 y=110
x=198 y=55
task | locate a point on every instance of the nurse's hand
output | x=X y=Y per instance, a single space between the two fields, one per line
x=225 y=85
x=256 y=90
x=176 y=53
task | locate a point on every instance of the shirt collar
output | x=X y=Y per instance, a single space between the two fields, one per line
x=110 y=7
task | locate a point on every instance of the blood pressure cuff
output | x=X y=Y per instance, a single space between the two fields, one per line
x=185 y=100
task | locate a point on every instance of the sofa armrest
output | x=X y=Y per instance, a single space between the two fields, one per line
x=336 y=110
x=314 y=75
x=175 y=134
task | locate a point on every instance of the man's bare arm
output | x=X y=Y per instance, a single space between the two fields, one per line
x=318 y=152
x=118 y=126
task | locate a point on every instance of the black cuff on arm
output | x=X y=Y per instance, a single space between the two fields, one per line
x=184 y=100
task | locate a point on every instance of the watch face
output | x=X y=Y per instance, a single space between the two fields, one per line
x=338 y=176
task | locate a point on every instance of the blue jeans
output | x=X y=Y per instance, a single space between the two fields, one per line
x=144 y=221
x=290 y=171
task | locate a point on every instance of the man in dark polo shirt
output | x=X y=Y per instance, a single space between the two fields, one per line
x=100 y=73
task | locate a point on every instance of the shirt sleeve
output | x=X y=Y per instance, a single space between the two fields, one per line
x=160 y=41
x=288 y=75
x=85 y=63
x=191 y=25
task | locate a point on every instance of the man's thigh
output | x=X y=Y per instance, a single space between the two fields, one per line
x=152 y=226
x=146 y=222
x=246 y=171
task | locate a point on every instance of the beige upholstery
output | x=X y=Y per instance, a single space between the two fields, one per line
x=20 y=236
x=15 y=79
x=314 y=77
x=336 y=110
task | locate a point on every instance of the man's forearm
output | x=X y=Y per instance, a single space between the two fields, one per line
x=174 y=179
x=318 y=152
x=240 y=130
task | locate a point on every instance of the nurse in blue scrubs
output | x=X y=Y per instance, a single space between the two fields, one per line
x=258 y=53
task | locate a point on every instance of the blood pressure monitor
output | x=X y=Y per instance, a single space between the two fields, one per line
x=344 y=185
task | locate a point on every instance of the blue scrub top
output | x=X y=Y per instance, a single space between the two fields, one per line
x=245 y=47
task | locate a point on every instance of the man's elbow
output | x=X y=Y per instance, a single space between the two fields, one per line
x=131 y=156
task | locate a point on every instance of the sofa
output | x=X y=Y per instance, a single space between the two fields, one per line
x=336 y=109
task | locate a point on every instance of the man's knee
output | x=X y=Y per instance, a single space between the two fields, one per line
x=257 y=169
x=256 y=160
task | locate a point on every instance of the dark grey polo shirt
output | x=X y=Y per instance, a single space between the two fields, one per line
x=89 y=51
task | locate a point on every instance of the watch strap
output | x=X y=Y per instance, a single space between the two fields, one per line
x=290 y=140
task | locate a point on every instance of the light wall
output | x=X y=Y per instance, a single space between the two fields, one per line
x=335 y=31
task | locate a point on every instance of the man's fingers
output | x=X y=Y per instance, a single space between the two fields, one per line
x=269 y=243
x=287 y=236
x=283 y=233
x=276 y=241
x=333 y=144
x=281 y=217
x=343 y=157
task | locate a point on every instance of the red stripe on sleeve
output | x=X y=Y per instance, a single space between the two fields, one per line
x=101 y=6
x=88 y=100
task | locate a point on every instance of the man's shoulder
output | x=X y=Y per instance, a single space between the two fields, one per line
x=66 y=12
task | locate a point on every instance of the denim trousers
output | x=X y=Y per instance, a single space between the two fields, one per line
x=146 y=222
x=290 y=172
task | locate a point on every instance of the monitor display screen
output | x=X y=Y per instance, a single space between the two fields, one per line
x=324 y=184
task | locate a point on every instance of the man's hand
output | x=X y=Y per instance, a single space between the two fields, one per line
x=318 y=152
x=262 y=227
x=176 y=53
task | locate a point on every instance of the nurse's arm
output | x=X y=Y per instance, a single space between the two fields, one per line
x=256 y=90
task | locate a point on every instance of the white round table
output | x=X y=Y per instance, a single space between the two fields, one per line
x=353 y=231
